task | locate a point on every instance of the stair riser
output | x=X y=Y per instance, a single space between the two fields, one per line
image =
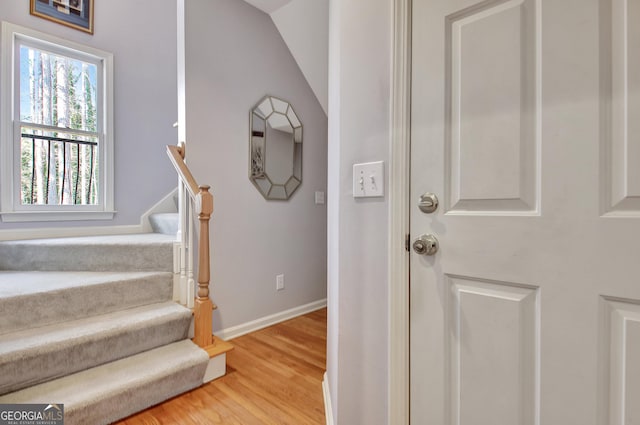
x=115 y=390
x=136 y=398
x=32 y=366
x=58 y=306
x=97 y=258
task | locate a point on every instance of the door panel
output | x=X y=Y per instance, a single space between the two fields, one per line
x=492 y=137
x=621 y=41
x=623 y=334
x=493 y=351
x=525 y=123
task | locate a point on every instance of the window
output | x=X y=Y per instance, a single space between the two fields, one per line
x=57 y=131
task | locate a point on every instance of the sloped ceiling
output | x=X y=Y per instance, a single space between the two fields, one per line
x=304 y=27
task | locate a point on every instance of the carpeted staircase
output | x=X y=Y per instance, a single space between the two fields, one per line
x=90 y=323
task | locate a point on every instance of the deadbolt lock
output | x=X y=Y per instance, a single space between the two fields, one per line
x=428 y=203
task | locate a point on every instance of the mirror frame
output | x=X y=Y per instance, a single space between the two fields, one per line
x=259 y=117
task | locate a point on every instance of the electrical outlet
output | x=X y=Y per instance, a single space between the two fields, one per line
x=280 y=282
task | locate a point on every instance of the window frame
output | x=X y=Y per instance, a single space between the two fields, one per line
x=11 y=208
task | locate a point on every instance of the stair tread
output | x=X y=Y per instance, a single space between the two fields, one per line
x=111 y=376
x=75 y=331
x=33 y=299
x=108 y=380
x=40 y=354
x=22 y=283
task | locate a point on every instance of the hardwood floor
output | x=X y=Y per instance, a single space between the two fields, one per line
x=274 y=376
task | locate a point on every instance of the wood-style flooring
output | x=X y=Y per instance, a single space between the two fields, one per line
x=274 y=376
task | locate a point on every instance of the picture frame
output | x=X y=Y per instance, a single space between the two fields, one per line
x=77 y=14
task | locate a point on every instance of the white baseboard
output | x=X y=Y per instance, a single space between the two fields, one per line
x=326 y=394
x=70 y=232
x=239 y=330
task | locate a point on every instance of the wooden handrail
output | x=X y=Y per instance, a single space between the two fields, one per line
x=176 y=155
x=203 y=201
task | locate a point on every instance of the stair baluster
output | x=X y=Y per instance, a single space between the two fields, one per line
x=183 y=237
x=191 y=252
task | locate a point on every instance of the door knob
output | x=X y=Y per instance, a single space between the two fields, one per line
x=428 y=203
x=426 y=245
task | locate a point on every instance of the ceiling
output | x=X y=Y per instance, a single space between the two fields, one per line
x=268 y=6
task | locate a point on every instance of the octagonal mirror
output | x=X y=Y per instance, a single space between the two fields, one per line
x=275 y=149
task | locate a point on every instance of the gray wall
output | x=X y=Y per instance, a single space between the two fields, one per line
x=234 y=56
x=358 y=287
x=142 y=37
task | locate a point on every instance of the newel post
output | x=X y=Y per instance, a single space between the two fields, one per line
x=203 y=308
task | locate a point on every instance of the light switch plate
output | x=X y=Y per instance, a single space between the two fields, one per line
x=368 y=180
x=319 y=198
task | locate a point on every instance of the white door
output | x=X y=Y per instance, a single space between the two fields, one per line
x=526 y=126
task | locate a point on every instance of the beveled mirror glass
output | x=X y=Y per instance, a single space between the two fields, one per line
x=275 y=149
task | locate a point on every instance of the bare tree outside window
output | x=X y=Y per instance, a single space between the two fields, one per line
x=58 y=117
